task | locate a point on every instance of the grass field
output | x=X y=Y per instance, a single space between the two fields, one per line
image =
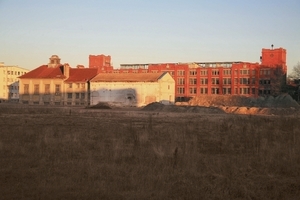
x=109 y=154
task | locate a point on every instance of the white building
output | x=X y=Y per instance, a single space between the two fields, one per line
x=9 y=82
x=132 y=89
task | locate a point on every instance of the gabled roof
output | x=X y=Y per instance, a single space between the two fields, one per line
x=45 y=72
x=81 y=74
x=128 y=77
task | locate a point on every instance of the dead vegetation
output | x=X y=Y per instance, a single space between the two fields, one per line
x=116 y=154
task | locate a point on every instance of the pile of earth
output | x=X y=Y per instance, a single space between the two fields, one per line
x=280 y=105
x=155 y=106
x=100 y=105
x=281 y=101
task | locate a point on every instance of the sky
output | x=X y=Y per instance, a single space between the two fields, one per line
x=141 y=31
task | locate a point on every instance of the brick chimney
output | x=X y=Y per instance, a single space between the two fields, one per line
x=66 y=70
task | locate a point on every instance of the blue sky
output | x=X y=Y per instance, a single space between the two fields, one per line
x=140 y=31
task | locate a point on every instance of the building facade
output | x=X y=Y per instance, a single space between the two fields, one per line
x=220 y=78
x=56 y=84
x=9 y=82
x=132 y=89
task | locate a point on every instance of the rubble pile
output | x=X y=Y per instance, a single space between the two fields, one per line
x=214 y=104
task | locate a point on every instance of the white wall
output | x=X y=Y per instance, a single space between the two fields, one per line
x=134 y=93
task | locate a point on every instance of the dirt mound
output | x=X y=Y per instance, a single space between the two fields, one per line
x=155 y=106
x=182 y=108
x=211 y=104
x=281 y=101
x=101 y=105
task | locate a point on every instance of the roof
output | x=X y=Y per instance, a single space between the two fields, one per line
x=128 y=77
x=44 y=72
x=81 y=74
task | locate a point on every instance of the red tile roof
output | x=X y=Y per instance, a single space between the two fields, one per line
x=128 y=77
x=76 y=74
x=44 y=72
x=81 y=74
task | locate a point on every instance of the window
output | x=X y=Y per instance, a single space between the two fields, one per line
x=215 y=72
x=77 y=95
x=180 y=73
x=70 y=85
x=203 y=72
x=193 y=73
x=57 y=89
x=227 y=72
x=264 y=82
x=47 y=88
x=265 y=72
x=226 y=81
x=180 y=81
x=215 y=81
x=226 y=90
x=244 y=91
x=204 y=81
x=36 y=89
x=244 y=71
x=69 y=95
x=82 y=85
x=26 y=88
x=253 y=81
x=193 y=81
x=180 y=90
x=78 y=85
x=82 y=95
x=253 y=72
x=193 y=90
x=244 y=81
x=203 y=90
x=253 y=90
x=214 y=90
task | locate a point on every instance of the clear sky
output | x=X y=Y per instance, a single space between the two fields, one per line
x=146 y=31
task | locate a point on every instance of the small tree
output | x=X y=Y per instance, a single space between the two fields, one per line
x=295 y=74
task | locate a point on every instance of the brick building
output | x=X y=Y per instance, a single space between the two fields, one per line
x=217 y=78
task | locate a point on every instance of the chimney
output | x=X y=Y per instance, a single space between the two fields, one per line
x=66 y=70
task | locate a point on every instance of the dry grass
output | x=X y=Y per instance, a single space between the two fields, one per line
x=144 y=155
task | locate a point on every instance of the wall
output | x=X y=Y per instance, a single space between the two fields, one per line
x=51 y=97
x=76 y=93
x=133 y=93
x=9 y=82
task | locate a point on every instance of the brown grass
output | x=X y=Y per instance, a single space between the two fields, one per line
x=108 y=154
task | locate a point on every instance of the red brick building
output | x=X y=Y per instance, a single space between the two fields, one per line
x=214 y=78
